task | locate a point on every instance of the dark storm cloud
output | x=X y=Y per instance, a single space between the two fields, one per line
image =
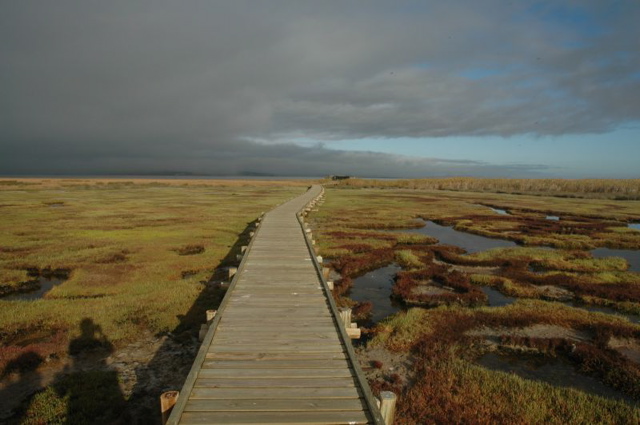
x=244 y=157
x=162 y=85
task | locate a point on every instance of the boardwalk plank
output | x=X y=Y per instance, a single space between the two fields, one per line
x=274 y=354
x=273 y=393
x=245 y=373
x=276 y=364
x=301 y=384
x=289 y=418
x=283 y=405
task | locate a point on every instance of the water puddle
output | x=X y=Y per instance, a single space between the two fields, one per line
x=449 y=236
x=556 y=372
x=499 y=211
x=496 y=298
x=375 y=287
x=552 y=217
x=635 y=226
x=46 y=284
x=632 y=257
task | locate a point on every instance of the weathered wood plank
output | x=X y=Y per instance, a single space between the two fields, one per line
x=279 y=349
x=274 y=393
x=274 y=354
x=246 y=373
x=290 y=418
x=285 y=326
x=303 y=384
x=276 y=364
x=242 y=332
x=262 y=340
x=283 y=405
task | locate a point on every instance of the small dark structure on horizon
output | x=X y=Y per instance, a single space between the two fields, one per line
x=340 y=177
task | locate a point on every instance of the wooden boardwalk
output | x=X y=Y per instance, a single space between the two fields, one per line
x=276 y=352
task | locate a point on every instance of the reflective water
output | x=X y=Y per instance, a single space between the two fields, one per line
x=496 y=298
x=45 y=286
x=632 y=257
x=449 y=236
x=556 y=372
x=552 y=217
x=499 y=211
x=635 y=226
x=375 y=287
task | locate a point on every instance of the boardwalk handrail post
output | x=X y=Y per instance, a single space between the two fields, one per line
x=369 y=399
x=345 y=315
x=326 y=271
x=232 y=271
x=388 y=406
x=174 y=414
x=167 y=401
x=211 y=314
x=254 y=272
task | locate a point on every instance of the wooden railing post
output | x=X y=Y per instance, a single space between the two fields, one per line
x=345 y=315
x=353 y=331
x=232 y=271
x=388 y=406
x=211 y=314
x=325 y=272
x=167 y=401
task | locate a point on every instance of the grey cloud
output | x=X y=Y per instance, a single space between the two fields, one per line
x=144 y=82
x=250 y=157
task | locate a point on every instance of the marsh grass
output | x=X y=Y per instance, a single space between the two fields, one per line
x=620 y=189
x=460 y=392
x=126 y=246
x=408 y=260
x=446 y=385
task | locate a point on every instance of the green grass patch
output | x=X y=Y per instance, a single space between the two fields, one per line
x=127 y=245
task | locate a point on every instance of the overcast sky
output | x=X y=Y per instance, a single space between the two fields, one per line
x=307 y=88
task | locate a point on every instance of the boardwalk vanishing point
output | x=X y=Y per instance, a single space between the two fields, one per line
x=278 y=350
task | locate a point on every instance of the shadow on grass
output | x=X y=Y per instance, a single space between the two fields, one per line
x=89 y=391
x=172 y=362
x=86 y=391
x=18 y=374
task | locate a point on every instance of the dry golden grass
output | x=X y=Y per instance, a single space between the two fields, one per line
x=137 y=252
x=625 y=189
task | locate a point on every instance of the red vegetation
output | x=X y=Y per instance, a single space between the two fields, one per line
x=17 y=348
x=341 y=287
x=354 y=266
x=362 y=310
x=576 y=284
x=362 y=235
x=453 y=255
x=462 y=291
x=376 y=364
x=356 y=248
x=599 y=361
